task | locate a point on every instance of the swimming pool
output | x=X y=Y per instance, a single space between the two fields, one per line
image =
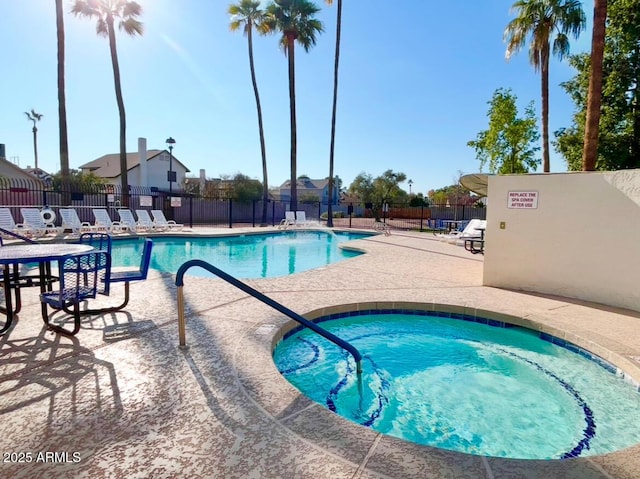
x=265 y=255
x=465 y=386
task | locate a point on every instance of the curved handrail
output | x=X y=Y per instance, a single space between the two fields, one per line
x=18 y=236
x=261 y=297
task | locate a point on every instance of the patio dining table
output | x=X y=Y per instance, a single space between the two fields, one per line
x=41 y=253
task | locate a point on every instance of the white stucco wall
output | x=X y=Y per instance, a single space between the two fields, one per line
x=157 y=168
x=582 y=241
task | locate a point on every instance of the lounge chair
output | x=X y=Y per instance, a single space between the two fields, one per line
x=469 y=231
x=159 y=220
x=127 y=219
x=34 y=222
x=103 y=222
x=7 y=223
x=71 y=221
x=301 y=219
x=288 y=220
x=146 y=222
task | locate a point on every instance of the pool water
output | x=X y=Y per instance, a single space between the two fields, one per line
x=465 y=386
x=243 y=256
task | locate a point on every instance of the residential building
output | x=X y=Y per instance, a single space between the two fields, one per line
x=309 y=190
x=159 y=163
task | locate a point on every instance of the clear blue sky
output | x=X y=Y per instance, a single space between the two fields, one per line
x=414 y=86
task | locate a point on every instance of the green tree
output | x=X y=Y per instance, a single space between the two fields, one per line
x=619 y=124
x=34 y=117
x=380 y=190
x=541 y=20
x=245 y=189
x=509 y=143
x=77 y=181
x=106 y=12
x=247 y=14
x=595 y=87
x=62 y=102
x=295 y=19
x=336 y=65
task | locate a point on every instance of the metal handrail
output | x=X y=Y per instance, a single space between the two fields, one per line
x=18 y=236
x=261 y=297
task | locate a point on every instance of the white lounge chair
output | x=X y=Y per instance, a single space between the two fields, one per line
x=7 y=223
x=103 y=222
x=288 y=220
x=127 y=219
x=33 y=221
x=71 y=221
x=469 y=231
x=146 y=222
x=159 y=220
x=301 y=219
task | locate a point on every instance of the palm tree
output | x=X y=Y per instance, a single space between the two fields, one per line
x=34 y=117
x=62 y=102
x=295 y=19
x=542 y=19
x=590 y=151
x=248 y=14
x=333 y=111
x=106 y=11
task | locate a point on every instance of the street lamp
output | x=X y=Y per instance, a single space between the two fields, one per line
x=410 y=183
x=171 y=177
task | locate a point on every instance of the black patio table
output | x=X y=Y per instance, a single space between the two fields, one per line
x=41 y=253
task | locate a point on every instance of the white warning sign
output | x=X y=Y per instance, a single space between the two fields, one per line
x=522 y=199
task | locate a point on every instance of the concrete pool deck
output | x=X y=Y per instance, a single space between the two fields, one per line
x=120 y=399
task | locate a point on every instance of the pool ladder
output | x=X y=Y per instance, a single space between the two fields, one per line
x=265 y=299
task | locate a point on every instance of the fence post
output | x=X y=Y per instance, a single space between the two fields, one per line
x=230 y=213
x=253 y=213
x=421 y=216
x=273 y=213
x=190 y=211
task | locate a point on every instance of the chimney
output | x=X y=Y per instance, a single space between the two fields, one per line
x=203 y=180
x=142 y=151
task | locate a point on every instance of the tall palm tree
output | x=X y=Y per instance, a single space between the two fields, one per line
x=62 y=102
x=106 y=12
x=247 y=14
x=295 y=19
x=34 y=117
x=336 y=64
x=544 y=20
x=592 y=124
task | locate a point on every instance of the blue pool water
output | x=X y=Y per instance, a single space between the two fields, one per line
x=465 y=386
x=243 y=256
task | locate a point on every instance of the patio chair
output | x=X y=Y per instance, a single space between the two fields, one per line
x=144 y=219
x=159 y=220
x=103 y=222
x=127 y=219
x=34 y=221
x=124 y=276
x=80 y=277
x=288 y=220
x=7 y=223
x=71 y=221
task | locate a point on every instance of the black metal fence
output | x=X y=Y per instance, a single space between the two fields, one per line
x=197 y=211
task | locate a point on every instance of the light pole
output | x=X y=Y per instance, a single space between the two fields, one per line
x=410 y=183
x=171 y=177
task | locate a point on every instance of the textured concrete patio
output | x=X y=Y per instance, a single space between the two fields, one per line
x=122 y=400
